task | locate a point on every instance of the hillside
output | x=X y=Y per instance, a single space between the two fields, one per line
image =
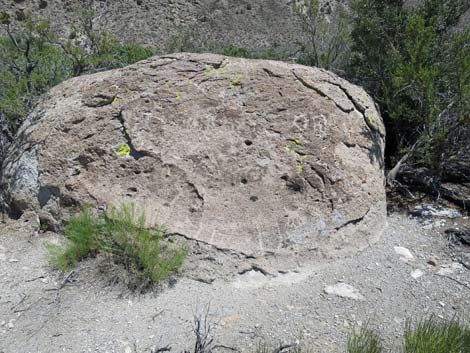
x=165 y=23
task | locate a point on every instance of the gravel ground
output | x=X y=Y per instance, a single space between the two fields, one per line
x=388 y=286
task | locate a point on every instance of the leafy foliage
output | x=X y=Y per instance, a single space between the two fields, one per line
x=417 y=69
x=33 y=60
x=123 y=238
x=90 y=50
x=30 y=65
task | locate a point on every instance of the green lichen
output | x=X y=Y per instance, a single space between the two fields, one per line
x=299 y=167
x=123 y=150
x=177 y=95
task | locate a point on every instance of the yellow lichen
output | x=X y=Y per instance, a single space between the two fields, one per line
x=123 y=150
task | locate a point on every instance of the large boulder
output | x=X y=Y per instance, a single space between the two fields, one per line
x=254 y=157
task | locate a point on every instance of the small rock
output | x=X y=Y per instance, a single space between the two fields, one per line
x=449 y=269
x=344 y=290
x=417 y=273
x=405 y=254
x=10 y=325
x=426 y=210
x=13 y=260
x=432 y=261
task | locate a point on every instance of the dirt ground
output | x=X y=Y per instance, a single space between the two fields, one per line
x=246 y=306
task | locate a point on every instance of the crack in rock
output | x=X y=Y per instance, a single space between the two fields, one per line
x=358 y=106
x=134 y=152
x=196 y=191
x=255 y=268
x=228 y=251
x=271 y=73
x=353 y=221
x=320 y=92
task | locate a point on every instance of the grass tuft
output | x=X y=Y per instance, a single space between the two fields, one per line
x=433 y=336
x=123 y=239
x=364 y=341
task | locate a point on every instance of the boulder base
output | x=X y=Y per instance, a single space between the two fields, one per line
x=258 y=158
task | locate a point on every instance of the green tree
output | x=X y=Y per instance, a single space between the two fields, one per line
x=418 y=71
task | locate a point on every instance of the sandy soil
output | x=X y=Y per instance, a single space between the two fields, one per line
x=90 y=316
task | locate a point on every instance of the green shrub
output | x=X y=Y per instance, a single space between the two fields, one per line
x=122 y=238
x=91 y=50
x=418 y=70
x=233 y=50
x=30 y=66
x=32 y=60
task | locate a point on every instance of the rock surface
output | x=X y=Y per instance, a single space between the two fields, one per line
x=257 y=158
x=344 y=290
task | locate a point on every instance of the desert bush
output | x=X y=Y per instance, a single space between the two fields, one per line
x=271 y=53
x=323 y=38
x=418 y=70
x=29 y=67
x=239 y=52
x=91 y=50
x=33 y=60
x=122 y=238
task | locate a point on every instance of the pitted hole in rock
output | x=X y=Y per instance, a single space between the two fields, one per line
x=254 y=198
x=46 y=193
x=248 y=142
x=244 y=181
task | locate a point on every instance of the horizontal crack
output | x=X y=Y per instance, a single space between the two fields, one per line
x=223 y=250
x=271 y=74
x=255 y=268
